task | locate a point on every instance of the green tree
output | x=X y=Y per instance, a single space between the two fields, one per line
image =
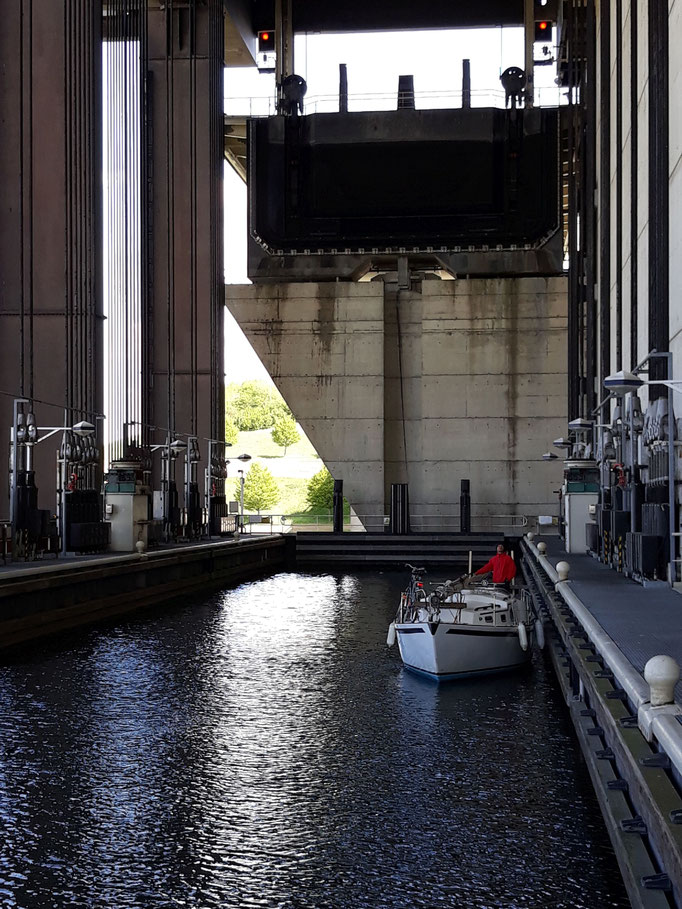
x=320 y=492
x=254 y=405
x=284 y=433
x=260 y=489
x=231 y=432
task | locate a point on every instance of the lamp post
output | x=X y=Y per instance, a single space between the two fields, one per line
x=172 y=450
x=243 y=458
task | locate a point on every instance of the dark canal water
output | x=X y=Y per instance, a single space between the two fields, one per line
x=265 y=749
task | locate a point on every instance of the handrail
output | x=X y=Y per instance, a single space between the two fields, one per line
x=425 y=523
x=266 y=105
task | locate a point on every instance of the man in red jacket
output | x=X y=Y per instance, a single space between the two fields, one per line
x=502 y=566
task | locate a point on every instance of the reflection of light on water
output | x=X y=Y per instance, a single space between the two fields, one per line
x=266 y=750
x=268 y=702
x=283 y=606
x=121 y=771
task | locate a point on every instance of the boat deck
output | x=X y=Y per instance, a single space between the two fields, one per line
x=642 y=621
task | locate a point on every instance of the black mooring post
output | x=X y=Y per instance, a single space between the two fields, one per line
x=343 y=88
x=338 y=506
x=466 y=83
x=464 y=507
x=400 y=508
x=405 y=92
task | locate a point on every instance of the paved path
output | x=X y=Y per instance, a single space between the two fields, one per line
x=642 y=621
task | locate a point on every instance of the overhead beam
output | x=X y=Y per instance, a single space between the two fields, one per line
x=358 y=15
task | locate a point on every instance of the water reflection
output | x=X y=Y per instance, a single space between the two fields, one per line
x=265 y=749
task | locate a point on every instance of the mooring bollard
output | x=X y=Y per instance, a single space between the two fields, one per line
x=562 y=569
x=661 y=674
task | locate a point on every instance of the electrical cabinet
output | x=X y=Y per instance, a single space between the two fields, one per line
x=576 y=515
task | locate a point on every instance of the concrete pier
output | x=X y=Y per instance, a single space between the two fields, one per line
x=428 y=385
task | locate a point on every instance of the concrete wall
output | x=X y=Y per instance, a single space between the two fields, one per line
x=323 y=346
x=445 y=381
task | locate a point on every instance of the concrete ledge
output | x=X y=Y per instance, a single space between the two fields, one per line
x=48 y=599
x=604 y=694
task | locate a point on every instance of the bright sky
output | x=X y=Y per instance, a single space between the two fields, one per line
x=374 y=63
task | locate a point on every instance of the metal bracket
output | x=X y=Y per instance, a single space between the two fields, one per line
x=618 y=785
x=659 y=760
x=656 y=882
x=605 y=754
x=634 y=825
x=629 y=722
x=618 y=694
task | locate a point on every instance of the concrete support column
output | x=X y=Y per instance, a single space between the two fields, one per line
x=185 y=368
x=50 y=234
x=402 y=384
x=445 y=381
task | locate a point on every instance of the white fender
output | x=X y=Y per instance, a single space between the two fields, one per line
x=540 y=634
x=523 y=636
x=390 y=638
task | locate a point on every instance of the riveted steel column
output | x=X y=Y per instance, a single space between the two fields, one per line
x=50 y=217
x=184 y=198
x=658 y=189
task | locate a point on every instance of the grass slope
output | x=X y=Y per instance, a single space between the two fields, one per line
x=258 y=443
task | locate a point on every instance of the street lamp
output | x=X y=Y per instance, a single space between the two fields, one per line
x=176 y=446
x=622 y=382
x=243 y=458
x=171 y=450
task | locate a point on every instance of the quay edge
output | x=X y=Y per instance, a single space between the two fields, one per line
x=637 y=784
x=42 y=601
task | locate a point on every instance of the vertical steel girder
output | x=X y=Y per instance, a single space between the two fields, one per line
x=186 y=281
x=50 y=234
x=51 y=237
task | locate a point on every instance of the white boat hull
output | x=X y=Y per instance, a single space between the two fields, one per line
x=444 y=650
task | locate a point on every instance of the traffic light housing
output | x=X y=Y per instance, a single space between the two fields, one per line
x=266 y=41
x=543 y=30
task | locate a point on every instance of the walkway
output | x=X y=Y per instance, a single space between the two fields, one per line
x=642 y=621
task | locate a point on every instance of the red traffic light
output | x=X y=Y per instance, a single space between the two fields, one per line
x=543 y=30
x=266 y=42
